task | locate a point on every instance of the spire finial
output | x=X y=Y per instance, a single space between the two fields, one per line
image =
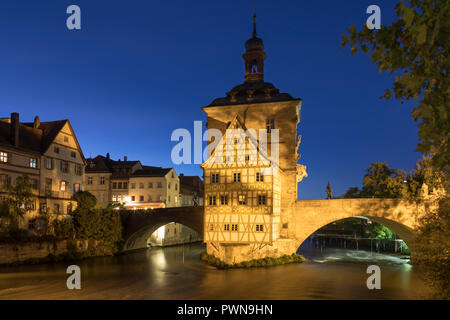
x=254 y=23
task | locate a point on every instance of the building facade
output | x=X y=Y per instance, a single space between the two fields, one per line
x=50 y=155
x=191 y=191
x=252 y=173
x=131 y=184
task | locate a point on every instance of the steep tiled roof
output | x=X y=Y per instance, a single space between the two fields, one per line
x=148 y=171
x=31 y=139
x=98 y=164
x=252 y=92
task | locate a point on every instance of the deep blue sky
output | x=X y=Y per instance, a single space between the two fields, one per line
x=137 y=70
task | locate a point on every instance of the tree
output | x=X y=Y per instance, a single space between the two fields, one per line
x=415 y=48
x=85 y=199
x=18 y=202
x=381 y=181
x=432 y=248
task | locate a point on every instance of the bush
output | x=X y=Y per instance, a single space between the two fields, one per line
x=265 y=262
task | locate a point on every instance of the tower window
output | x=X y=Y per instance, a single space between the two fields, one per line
x=262 y=200
x=215 y=178
x=259 y=177
x=234 y=227
x=226 y=227
x=259 y=228
x=223 y=200
x=237 y=177
x=241 y=199
x=212 y=200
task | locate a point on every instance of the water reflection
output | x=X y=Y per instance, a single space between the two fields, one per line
x=178 y=273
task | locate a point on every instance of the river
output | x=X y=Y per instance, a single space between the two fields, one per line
x=178 y=273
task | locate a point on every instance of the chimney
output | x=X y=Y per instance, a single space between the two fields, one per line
x=14 y=127
x=107 y=156
x=125 y=158
x=36 y=122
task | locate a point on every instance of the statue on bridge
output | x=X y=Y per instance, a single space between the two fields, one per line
x=329 y=191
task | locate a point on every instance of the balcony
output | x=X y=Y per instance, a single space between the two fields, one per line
x=58 y=194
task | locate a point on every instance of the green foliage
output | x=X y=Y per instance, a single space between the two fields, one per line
x=265 y=262
x=18 y=201
x=378 y=231
x=415 y=48
x=381 y=181
x=85 y=200
x=63 y=229
x=98 y=224
x=432 y=248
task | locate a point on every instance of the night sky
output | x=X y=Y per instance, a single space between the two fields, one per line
x=137 y=70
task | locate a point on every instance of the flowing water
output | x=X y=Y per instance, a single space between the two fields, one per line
x=178 y=273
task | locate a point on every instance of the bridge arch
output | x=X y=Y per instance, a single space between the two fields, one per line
x=400 y=216
x=140 y=225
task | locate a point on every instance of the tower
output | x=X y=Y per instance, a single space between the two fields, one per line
x=248 y=202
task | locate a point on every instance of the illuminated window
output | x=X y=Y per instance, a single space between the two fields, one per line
x=76 y=187
x=241 y=199
x=262 y=200
x=3 y=157
x=33 y=163
x=114 y=198
x=63 y=186
x=236 y=177
x=259 y=228
x=259 y=177
x=234 y=227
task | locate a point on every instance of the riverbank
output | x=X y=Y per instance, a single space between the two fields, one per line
x=265 y=262
x=44 y=251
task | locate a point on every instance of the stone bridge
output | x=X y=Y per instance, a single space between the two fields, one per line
x=400 y=216
x=303 y=219
x=140 y=225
